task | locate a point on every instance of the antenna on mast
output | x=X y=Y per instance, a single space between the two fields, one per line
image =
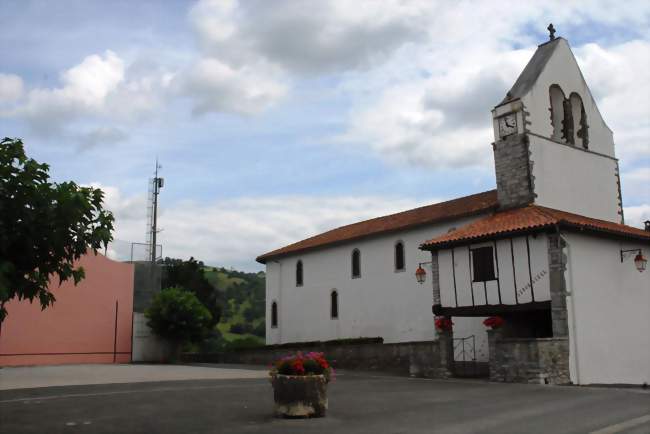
x=155 y=184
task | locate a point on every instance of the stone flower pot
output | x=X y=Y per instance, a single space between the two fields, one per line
x=299 y=395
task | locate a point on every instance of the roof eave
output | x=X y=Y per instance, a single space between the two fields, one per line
x=263 y=259
x=480 y=239
x=562 y=224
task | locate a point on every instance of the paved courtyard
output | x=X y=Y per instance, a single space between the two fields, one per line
x=205 y=399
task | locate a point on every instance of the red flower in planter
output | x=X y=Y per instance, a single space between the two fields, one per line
x=443 y=324
x=494 y=322
x=312 y=363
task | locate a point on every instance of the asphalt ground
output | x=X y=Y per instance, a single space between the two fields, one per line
x=358 y=403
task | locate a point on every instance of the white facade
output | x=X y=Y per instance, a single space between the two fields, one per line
x=553 y=149
x=571 y=179
x=521 y=268
x=609 y=312
x=382 y=302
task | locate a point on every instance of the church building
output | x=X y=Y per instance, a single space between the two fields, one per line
x=546 y=256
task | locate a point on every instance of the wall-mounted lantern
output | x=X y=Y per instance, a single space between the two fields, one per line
x=640 y=261
x=420 y=274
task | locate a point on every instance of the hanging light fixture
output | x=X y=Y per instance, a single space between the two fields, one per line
x=640 y=261
x=420 y=274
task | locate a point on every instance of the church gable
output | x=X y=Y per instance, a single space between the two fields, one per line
x=552 y=146
x=557 y=101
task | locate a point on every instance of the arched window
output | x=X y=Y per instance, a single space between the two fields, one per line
x=299 y=273
x=557 y=111
x=334 y=304
x=356 y=263
x=274 y=314
x=581 y=134
x=399 y=256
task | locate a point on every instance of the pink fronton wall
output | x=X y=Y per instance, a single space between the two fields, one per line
x=89 y=323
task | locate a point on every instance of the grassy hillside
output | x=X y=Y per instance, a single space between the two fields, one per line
x=242 y=321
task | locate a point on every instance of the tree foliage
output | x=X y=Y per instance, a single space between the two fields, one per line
x=190 y=275
x=178 y=315
x=44 y=227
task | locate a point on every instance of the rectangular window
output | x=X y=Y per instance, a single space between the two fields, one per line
x=483 y=264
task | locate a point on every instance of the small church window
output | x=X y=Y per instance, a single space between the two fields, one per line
x=581 y=134
x=356 y=263
x=274 y=314
x=334 y=304
x=557 y=111
x=399 y=256
x=299 y=273
x=483 y=264
x=568 y=127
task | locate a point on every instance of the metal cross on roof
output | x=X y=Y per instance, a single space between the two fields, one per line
x=551 y=31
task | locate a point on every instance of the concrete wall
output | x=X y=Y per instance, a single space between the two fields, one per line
x=383 y=302
x=81 y=326
x=609 y=312
x=571 y=179
x=148 y=347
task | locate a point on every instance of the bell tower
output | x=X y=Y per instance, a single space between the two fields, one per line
x=552 y=146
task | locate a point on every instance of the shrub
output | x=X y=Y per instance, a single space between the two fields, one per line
x=178 y=315
x=241 y=328
x=260 y=329
x=244 y=343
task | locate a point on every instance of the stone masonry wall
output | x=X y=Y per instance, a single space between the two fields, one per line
x=424 y=359
x=557 y=266
x=435 y=278
x=513 y=172
x=529 y=360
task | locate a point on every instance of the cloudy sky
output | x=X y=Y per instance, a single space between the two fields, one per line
x=274 y=121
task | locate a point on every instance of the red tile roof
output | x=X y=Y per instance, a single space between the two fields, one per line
x=453 y=209
x=530 y=219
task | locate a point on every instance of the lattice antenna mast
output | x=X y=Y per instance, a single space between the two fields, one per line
x=155 y=184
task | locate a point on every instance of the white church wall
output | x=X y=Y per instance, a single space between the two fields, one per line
x=381 y=303
x=573 y=180
x=563 y=70
x=609 y=312
x=518 y=261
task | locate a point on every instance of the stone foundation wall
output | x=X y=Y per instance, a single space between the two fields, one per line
x=423 y=359
x=529 y=360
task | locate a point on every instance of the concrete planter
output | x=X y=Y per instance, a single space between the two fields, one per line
x=299 y=395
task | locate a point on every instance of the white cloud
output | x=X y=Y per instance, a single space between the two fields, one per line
x=97 y=102
x=306 y=37
x=234 y=232
x=620 y=79
x=636 y=215
x=219 y=87
x=84 y=91
x=635 y=185
x=11 y=87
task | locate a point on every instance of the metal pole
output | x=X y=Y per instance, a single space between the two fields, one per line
x=155 y=215
x=115 y=334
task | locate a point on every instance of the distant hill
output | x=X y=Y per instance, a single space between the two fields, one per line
x=242 y=322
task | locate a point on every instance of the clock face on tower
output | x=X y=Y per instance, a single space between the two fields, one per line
x=507 y=125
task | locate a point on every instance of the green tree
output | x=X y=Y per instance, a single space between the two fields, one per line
x=190 y=275
x=44 y=227
x=178 y=315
